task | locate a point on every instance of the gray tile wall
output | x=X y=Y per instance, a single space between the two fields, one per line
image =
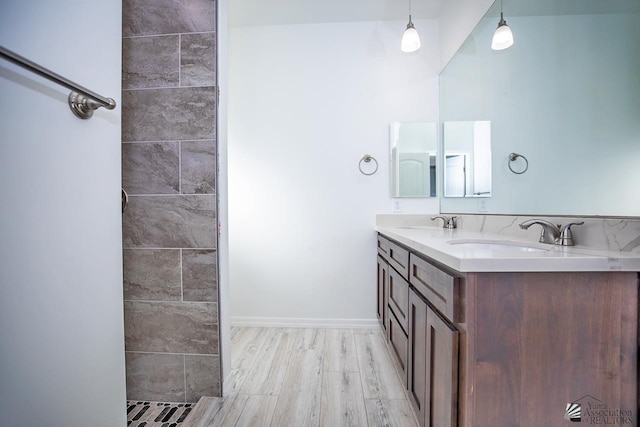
x=170 y=226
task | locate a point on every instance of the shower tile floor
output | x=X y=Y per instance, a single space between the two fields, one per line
x=156 y=414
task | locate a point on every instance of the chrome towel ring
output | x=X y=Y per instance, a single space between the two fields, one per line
x=366 y=159
x=513 y=157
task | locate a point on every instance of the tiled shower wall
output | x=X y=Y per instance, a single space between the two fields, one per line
x=170 y=225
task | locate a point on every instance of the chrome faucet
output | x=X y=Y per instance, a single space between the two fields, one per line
x=554 y=234
x=447 y=222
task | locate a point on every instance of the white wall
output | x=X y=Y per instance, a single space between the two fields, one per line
x=306 y=103
x=61 y=321
x=457 y=20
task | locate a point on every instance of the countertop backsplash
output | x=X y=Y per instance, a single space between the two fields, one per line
x=614 y=234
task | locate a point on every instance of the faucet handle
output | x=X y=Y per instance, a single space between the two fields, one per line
x=566 y=236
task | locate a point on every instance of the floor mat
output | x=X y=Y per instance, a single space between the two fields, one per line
x=156 y=414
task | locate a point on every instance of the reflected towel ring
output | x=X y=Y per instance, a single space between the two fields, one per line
x=513 y=157
x=367 y=158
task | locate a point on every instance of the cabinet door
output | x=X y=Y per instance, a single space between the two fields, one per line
x=398 y=343
x=442 y=372
x=432 y=365
x=417 y=355
x=398 y=297
x=383 y=291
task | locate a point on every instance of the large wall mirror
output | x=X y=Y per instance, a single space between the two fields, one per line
x=413 y=159
x=566 y=96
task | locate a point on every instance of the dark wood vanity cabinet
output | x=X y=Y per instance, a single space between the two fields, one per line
x=424 y=344
x=513 y=349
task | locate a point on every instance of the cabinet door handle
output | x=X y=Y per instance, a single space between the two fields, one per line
x=125 y=200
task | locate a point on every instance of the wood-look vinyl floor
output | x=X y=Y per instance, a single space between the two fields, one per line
x=287 y=377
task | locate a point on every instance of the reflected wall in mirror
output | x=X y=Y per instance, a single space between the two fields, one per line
x=566 y=96
x=467 y=159
x=413 y=159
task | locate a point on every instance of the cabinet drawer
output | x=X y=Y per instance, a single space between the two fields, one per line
x=396 y=255
x=398 y=344
x=399 y=297
x=383 y=247
x=440 y=288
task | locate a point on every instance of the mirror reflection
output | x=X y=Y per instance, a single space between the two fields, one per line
x=467 y=159
x=566 y=96
x=413 y=159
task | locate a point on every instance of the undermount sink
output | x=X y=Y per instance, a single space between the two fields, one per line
x=498 y=245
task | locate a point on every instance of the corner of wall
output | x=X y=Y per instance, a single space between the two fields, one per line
x=456 y=22
x=223 y=194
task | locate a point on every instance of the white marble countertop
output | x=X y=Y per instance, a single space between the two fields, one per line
x=505 y=253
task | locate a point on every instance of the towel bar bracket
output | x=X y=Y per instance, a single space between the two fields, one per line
x=83 y=106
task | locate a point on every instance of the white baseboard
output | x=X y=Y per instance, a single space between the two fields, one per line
x=288 y=322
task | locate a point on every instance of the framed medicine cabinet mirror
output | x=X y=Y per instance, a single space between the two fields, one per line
x=413 y=159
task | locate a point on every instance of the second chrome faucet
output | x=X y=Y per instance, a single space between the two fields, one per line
x=554 y=234
x=449 y=223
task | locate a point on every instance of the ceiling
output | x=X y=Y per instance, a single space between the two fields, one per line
x=283 y=12
x=564 y=7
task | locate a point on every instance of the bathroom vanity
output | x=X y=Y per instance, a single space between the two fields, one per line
x=491 y=331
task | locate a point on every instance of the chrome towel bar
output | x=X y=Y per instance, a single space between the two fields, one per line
x=82 y=101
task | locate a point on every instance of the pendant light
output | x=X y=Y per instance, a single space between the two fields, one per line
x=503 y=37
x=410 y=38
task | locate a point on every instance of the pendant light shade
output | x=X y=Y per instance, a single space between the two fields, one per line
x=503 y=37
x=410 y=38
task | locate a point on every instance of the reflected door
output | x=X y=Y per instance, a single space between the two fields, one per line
x=456 y=175
x=415 y=175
